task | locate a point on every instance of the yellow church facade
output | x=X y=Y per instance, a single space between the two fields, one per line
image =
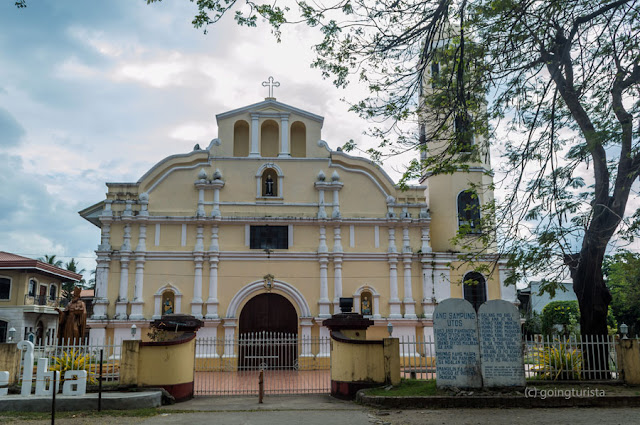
x=267 y=227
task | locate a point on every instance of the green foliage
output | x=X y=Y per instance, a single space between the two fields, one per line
x=563 y=313
x=560 y=361
x=74 y=360
x=622 y=272
x=533 y=325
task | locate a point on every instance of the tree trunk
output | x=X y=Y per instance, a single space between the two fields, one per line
x=593 y=298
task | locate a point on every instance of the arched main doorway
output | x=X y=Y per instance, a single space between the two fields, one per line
x=268 y=333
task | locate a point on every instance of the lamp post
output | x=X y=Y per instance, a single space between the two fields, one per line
x=623 y=330
x=390 y=328
x=134 y=329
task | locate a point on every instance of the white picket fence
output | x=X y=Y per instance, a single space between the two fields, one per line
x=82 y=355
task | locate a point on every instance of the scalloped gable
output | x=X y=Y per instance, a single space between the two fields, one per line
x=270 y=105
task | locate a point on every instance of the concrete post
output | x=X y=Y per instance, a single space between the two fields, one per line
x=628 y=351
x=129 y=361
x=391 y=351
x=10 y=358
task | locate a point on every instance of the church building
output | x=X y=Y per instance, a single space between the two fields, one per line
x=268 y=226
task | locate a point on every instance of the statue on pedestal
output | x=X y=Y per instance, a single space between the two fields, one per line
x=72 y=322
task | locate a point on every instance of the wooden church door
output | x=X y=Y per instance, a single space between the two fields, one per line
x=268 y=333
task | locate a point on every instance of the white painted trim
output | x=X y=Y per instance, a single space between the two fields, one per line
x=157 y=308
x=271 y=165
x=376 y=236
x=352 y=236
x=290 y=235
x=168 y=287
x=183 y=237
x=247 y=235
x=171 y=170
x=157 y=239
x=258 y=287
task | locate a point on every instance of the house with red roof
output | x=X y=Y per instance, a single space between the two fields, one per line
x=30 y=294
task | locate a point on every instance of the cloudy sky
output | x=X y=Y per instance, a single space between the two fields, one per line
x=99 y=91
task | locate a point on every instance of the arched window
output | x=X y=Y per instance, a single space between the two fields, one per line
x=168 y=302
x=241 y=138
x=5 y=288
x=366 y=303
x=469 y=211
x=269 y=182
x=33 y=284
x=475 y=289
x=270 y=139
x=298 y=140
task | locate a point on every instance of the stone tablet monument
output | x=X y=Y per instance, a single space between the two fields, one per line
x=500 y=344
x=457 y=348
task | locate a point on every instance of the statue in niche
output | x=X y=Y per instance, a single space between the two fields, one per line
x=268 y=186
x=365 y=304
x=167 y=303
x=167 y=308
x=72 y=322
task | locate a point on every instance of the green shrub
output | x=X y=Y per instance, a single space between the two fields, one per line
x=563 y=313
x=558 y=362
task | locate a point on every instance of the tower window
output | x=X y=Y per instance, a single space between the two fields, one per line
x=269 y=237
x=469 y=211
x=463 y=132
x=435 y=72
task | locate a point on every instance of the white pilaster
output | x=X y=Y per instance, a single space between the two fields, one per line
x=196 y=302
x=101 y=301
x=323 y=259
x=255 y=131
x=200 y=211
x=212 y=301
x=409 y=303
x=442 y=282
x=305 y=331
x=428 y=289
x=394 y=301
x=217 y=184
x=284 y=146
x=425 y=240
x=229 y=337
x=325 y=341
x=122 y=302
x=337 y=281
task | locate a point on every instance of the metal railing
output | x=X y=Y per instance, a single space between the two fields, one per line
x=417 y=358
x=81 y=355
x=570 y=358
x=291 y=365
x=545 y=358
x=45 y=300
